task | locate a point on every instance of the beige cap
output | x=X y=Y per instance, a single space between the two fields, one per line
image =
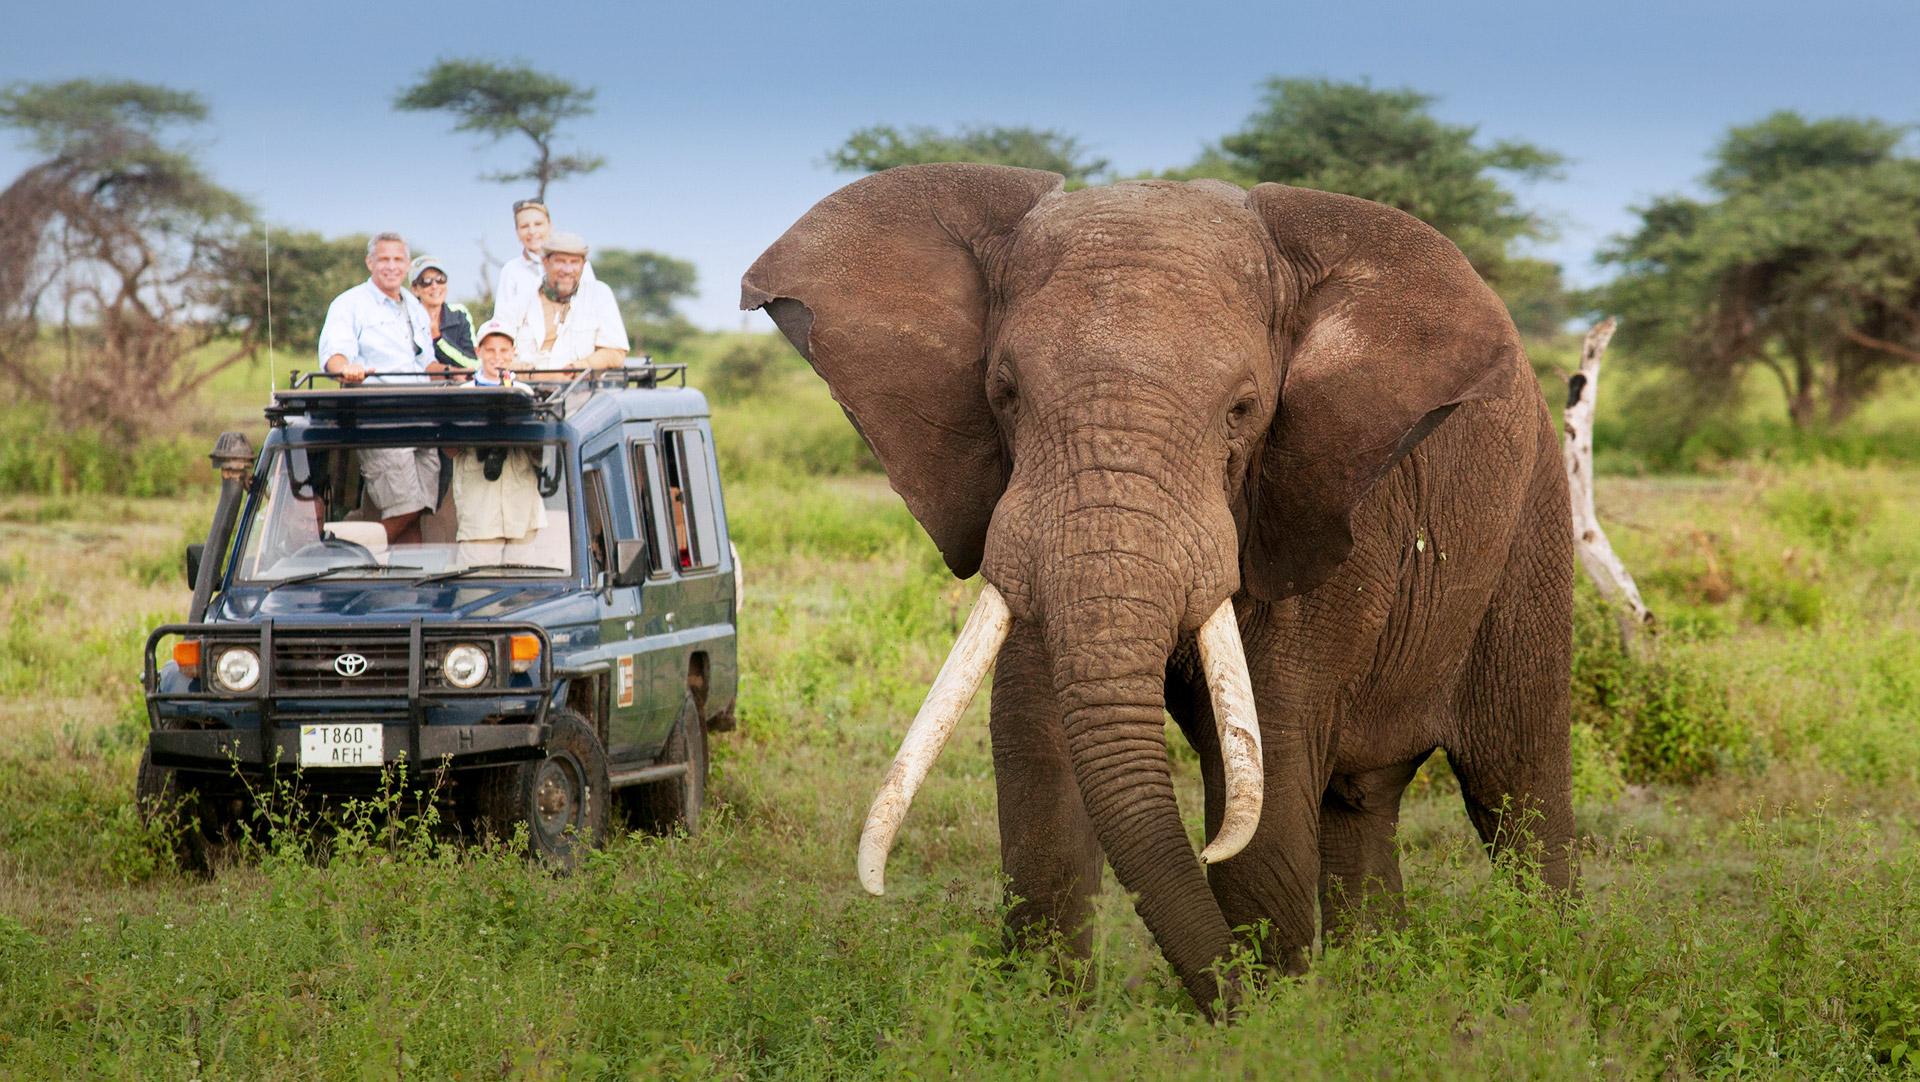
x=565 y=244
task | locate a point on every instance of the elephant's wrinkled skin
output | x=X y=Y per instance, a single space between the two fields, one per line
x=1124 y=405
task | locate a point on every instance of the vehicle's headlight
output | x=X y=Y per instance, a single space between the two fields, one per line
x=465 y=666
x=238 y=669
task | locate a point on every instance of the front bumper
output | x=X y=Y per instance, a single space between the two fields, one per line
x=462 y=745
x=421 y=723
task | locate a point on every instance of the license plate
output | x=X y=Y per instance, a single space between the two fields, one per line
x=341 y=745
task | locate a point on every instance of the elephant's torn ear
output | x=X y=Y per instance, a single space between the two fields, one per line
x=882 y=286
x=1389 y=333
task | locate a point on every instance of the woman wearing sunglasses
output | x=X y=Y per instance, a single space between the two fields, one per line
x=451 y=323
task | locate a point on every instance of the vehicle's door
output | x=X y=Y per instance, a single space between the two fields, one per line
x=606 y=495
x=662 y=661
x=698 y=564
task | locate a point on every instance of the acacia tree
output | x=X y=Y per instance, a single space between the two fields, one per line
x=1387 y=146
x=280 y=285
x=646 y=285
x=122 y=236
x=499 y=100
x=870 y=150
x=1806 y=265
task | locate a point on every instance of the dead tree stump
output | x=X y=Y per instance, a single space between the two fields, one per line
x=1596 y=554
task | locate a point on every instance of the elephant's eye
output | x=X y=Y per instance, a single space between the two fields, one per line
x=1238 y=415
x=1001 y=392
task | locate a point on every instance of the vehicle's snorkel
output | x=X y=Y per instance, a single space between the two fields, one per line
x=233 y=457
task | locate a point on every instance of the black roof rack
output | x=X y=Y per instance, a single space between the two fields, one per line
x=391 y=396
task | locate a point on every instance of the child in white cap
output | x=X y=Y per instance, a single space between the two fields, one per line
x=495 y=489
x=496 y=349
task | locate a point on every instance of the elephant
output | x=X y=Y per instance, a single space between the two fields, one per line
x=1271 y=461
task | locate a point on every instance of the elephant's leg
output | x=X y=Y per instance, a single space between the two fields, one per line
x=1510 y=750
x=1048 y=850
x=1359 y=866
x=1271 y=883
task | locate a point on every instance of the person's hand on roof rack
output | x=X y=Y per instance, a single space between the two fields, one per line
x=351 y=373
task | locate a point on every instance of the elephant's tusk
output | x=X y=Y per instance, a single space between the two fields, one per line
x=1225 y=662
x=973 y=654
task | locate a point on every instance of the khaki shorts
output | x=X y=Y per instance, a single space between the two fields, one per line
x=401 y=479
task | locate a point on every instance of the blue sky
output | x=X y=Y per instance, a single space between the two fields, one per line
x=715 y=118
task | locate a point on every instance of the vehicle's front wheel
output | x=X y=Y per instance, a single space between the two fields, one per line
x=676 y=803
x=202 y=835
x=561 y=798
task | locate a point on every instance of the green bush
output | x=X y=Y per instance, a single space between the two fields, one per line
x=1825 y=508
x=746 y=365
x=38 y=457
x=1660 y=716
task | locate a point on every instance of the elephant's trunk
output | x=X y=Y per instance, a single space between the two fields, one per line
x=1110 y=636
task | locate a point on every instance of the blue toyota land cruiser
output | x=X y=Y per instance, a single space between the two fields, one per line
x=546 y=679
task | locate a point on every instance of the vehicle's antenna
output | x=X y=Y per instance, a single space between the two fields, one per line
x=266 y=235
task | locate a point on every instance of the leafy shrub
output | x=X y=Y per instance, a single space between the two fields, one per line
x=746 y=366
x=1660 y=717
x=1824 y=509
x=1790 y=602
x=39 y=457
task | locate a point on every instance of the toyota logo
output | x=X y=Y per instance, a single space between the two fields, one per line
x=350 y=664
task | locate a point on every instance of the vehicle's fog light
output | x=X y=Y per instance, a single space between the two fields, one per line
x=465 y=666
x=526 y=651
x=238 y=669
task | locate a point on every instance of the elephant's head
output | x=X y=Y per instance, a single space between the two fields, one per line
x=1123 y=405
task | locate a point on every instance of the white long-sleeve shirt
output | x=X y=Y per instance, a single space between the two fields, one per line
x=369 y=328
x=590 y=322
x=519 y=283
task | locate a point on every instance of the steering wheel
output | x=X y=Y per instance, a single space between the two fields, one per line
x=334 y=546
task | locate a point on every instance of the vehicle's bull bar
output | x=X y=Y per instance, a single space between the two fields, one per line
x=424 y=743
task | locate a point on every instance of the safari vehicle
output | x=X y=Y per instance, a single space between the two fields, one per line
x=539 y=682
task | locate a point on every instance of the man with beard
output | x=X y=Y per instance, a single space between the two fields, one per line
x=574 y=324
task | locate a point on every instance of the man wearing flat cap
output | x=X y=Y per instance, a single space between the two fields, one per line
x=575 y=324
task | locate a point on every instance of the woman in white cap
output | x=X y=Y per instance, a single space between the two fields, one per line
x=519 y=280
x=452 y=324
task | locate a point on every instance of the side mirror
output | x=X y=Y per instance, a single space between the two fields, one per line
x=629 y=563
x=194 y=553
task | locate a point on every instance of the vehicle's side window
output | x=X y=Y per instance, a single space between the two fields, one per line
x=645 y=491
x=599 y=530
x=684 y=461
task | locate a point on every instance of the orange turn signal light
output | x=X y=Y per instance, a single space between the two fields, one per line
x=524 y=649
x=186 y=654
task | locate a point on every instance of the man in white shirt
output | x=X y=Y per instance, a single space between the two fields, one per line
x=378 y=330
x=519 y=279
x=572 y=323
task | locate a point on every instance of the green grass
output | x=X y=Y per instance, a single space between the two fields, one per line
x=1747 y=799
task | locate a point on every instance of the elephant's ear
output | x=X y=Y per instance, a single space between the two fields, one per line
x=882 y=287
x=1388 y=329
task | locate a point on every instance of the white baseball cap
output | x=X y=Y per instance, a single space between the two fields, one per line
x=492 y=327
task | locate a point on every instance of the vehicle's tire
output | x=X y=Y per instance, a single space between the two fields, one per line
x=203 y=836
x=562 y=798
x=664 y=807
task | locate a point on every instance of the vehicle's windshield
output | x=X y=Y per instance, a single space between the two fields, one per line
x=409 y=512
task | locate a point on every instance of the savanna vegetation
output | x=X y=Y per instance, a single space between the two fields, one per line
x=1747 y=777
x=1750 y=834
